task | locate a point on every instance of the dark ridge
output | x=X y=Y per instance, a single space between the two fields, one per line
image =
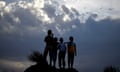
x=42 y=65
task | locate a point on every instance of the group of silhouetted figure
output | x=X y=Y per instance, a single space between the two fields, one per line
x=58 y=48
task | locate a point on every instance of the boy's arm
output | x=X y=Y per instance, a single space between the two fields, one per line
x=45 y=39
x=66 y=42
x=75 y=50
x=58 y=46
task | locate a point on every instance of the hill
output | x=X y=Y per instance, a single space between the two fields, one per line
x=42 y=65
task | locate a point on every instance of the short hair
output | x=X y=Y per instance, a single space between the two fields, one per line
x=55 y=39
x=49 y=31
x=61 y=39
x=71 y=38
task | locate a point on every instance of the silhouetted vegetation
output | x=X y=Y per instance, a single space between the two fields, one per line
x=110 y=69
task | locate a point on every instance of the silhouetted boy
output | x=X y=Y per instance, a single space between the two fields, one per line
x=62 y=53
x=49 y=45
x=54 y=51
x=71 y=51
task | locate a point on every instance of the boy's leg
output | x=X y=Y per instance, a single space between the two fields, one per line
x=54 y=60
x=68 y=60
x=50 y=57
x=72 y=60
x=59 y=58
x=45 y=52
x=63 y=59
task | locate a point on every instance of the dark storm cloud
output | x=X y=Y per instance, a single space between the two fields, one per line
x=97 y=42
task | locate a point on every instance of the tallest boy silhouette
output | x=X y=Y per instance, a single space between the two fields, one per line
x=49 y=41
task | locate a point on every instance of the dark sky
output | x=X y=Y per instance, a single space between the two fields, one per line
x=24 y=24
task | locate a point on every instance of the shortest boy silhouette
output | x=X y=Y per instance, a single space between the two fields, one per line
x=62 y=53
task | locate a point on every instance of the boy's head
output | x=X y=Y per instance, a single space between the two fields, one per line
x=71 y=39
x=61 y=40
x=55 y=39
x=49 y=32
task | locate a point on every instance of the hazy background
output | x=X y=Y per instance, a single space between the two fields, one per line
x=95 y=25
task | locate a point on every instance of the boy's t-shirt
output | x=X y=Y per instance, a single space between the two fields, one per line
x=71 y=47
x=61 y=47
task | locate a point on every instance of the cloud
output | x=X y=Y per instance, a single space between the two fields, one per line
x=2 y=4
x=17 y=66
x=23 y=17
x=38 y=15
x=13 y=16
x=99 y=7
